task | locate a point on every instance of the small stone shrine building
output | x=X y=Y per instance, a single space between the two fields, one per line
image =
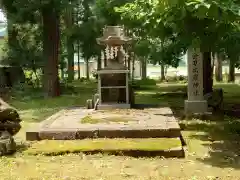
x=113 y=78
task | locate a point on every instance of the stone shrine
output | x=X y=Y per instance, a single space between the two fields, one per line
x=196 y=102
x=113 y=78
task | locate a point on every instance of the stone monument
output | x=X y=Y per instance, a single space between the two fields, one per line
x=113 y=78
x=195 y=102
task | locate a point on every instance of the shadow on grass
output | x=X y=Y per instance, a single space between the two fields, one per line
x=221 y=139
x=178 y=153
x=21 y=147
x=221 y=133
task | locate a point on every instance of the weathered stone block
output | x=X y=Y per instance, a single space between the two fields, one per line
x=7 y=143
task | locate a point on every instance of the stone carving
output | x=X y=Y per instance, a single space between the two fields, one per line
x=195 y=102
x=7 y=143
x=9 y=126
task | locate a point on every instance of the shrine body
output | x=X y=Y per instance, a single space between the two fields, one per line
x=113 y=77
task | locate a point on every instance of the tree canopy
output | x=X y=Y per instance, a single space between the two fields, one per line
x=40 y=32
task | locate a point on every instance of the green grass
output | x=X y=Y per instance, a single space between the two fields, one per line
x=34 y=108
x=59 y=147
x=213 y=145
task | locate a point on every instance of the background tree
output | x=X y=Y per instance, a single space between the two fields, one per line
x=193 y=23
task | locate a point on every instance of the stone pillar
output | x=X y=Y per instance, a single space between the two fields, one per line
x=195 y=102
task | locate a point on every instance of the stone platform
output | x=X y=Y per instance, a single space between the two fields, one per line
x=70 y=124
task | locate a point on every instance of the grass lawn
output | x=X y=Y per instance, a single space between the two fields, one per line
x=213 y=145
x=59 y=147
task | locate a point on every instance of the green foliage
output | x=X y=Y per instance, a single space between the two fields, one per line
x=105 y=10
x=144 y=82
x=88 y=29
x=181 y=23
x=27 y=52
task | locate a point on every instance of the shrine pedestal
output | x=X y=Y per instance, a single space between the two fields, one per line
x=113 y=89
x=195 y=102
x=195 y=106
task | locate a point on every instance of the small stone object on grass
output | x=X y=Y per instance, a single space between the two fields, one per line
x=7 y=143
x=89 y=104
x=215 y=99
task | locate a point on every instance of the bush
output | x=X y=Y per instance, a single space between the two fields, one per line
x=145 y=82
x=180 y=78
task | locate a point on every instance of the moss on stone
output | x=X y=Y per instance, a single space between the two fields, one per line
x=91 y=120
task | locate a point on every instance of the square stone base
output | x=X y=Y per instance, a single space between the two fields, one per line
x=192 y=107
x=113 y=106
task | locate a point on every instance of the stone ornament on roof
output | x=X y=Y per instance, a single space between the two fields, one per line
x=113 y=36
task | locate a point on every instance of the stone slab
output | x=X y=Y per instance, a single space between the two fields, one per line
x=113 y=106
x=66 y=125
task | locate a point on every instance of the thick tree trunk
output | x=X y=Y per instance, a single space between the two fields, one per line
x=70 y=44
x=50 y=50
x=87 y=69
x=207 y=73
x=162 y=72
x=231 y=75
x=218 y=67
x=144 y=68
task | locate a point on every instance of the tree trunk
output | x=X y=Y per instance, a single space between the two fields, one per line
x=70 y=44
x=87 y=68
x=12 y=33
x=133 y=66
x=105 y=62
x=79 y=67
x=162 y=72
x=99 y=63
x=207 y=73
x=13 y=46
x=144 y=68
x=231 y=75
x=218 y=67
x=70 y=51
x=50 y=50
x=62 y=70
